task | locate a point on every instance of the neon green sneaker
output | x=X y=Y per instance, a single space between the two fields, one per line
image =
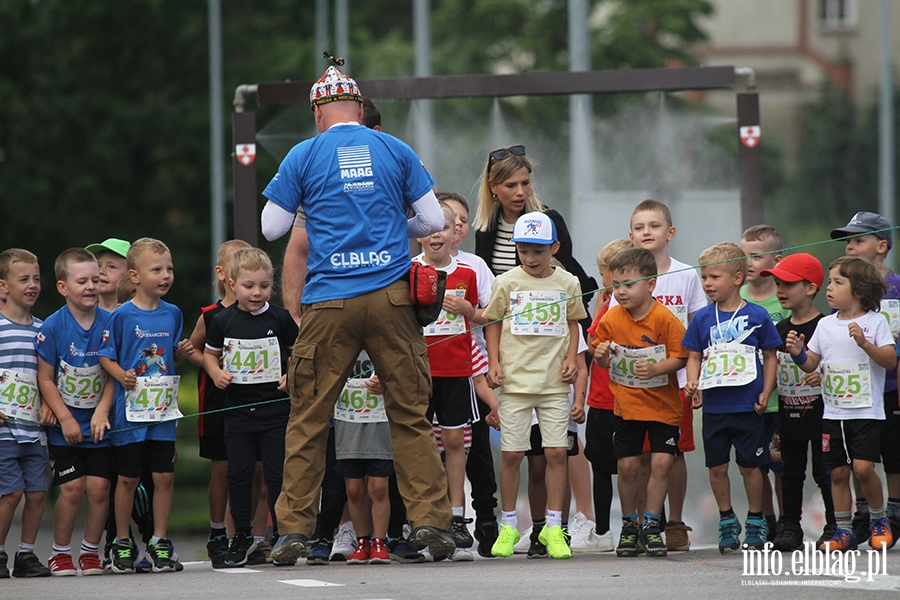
x=505 y=541
x=554 y=538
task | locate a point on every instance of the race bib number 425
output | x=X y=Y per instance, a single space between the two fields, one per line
x=847 y=385
x=153 y=400
x=19 y=396
x=538 y=313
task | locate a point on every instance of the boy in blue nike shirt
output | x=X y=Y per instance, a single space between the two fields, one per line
x=75 y=387
x=139 y=348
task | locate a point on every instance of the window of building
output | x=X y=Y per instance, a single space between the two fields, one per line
x=837 y=15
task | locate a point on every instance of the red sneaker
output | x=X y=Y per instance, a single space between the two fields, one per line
x=361 y=555
x=90 y=564
x=378 y=555
x=61 y=565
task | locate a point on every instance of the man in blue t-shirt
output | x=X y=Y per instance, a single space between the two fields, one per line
x=355 y=186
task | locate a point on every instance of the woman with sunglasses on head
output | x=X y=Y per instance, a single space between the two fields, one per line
x=506 y=194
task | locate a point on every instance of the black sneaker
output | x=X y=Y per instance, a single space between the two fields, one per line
x=788 y=537
x=486 y=533
x=628 y=540
x=162 y=556
x=861 y=526
x=650 y=541
x=216 y=549
x=401 y=552
x=123 y=555
x=4 y=570
x=895 y=530
x=319 y=552
x=438 y=541
x=827 y=533
x=537 y=549
x=27 y=564
x=257 y=556
x=239 y=550
x=460 y=533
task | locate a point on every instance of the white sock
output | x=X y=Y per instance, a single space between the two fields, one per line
x=214 y=525
x=259 y=538
x=89 y=548
x=57 y=549
x=509 y=518
x=23 y=547
x=554 y=518
x=458 y=511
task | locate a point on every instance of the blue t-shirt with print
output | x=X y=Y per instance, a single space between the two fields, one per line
x=355 y=185
x=64 y=343
x=143 y=340
x=751 y=326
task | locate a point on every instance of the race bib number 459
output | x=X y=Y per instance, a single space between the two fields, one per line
x=538 y=313
x=153 y=400
x=19 y=396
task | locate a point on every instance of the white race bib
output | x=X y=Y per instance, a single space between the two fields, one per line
x=447 y=323
x=790 y=379
x=891 y=310
x=847 y=385
x=726 y=365
x=680 y=311
x=153 y=400
x=253 y=361
x=538 y=313
x=357 y=405
x=19 y=397
x=622 y=365
x=80 y=387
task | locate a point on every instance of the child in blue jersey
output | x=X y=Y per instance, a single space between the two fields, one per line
x=23 y=458
x=75 y=387
x=141 y=343
x=253 y=338
x=725 y=376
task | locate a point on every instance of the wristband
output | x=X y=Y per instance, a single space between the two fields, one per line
x=801 y=358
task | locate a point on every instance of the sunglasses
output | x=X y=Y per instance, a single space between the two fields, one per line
x=500 y=154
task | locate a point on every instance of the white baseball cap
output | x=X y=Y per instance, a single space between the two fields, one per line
x=534 y=228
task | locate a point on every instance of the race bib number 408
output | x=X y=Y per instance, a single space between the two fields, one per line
x=538 y=313
x=19 y=396
x=153 y=400
x=622 y=365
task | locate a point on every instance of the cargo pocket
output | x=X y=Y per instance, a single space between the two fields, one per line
x=423 y=371
x=301 y=376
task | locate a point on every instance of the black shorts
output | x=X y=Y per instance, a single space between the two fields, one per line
x=153 y=455
x=628 y=439
x=775 y=464
x=890 y=434
x=745 y=431
x=598 y=440
x=69 y=463
x=453 y=400
x=851 y=439
x=357 y=468
x=213 y=448
x=537 y=443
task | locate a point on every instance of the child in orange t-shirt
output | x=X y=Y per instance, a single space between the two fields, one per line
x=639 y=341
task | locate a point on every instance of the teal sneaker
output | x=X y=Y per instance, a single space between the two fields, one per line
x=757 y=533
x=505 y=541
x=554 y=538
x=729 y=534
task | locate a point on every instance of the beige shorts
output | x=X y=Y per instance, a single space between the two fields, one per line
x=515 y=420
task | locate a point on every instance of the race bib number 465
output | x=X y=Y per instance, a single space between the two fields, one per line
x=19 y=396
x=538 y=313
x=357 y=405
x=153 y=400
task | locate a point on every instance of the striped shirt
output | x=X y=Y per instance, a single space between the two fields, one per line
x=17 y=353
x=504 y=257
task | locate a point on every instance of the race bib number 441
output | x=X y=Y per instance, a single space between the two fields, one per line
x=538 y=313
x=153 y=400
x=253 y=361
x=19 y=396
x=622 y=365
x=847 y=385
x=726 y=365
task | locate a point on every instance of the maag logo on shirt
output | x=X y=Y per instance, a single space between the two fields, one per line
x=354 y=161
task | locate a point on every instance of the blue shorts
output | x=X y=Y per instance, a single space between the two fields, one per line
x=22 y=467
x=745 y=431
x=357 y=468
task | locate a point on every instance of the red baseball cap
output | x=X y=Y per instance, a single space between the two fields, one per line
x=797 y=267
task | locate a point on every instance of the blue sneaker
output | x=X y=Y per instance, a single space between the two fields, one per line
x=757 y=532
x=319 y=552
x=842 y=541
x=729 y=534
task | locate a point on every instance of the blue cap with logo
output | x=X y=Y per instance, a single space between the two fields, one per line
x=534 y=228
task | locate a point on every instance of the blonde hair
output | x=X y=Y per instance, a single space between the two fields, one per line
x=866 y=283
x=610 y=250
x=67 y=257
x=141 y=247
x=250 y=259
x=761 y=233
x=125 y=290
x=655 y=206
x=223 y=255
x=14 y=255
x=727 y=255
x=500 y=171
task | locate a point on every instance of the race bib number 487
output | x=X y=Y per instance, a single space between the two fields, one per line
x=19 y=396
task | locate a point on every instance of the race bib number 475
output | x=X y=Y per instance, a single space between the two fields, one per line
x=153 y=400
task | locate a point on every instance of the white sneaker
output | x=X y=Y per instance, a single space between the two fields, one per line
x=462 y=555
x=344 y=542
x=577 y=525
x=524 y=542
x=591 y=541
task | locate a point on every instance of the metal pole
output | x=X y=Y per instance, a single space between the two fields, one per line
x=342 y=33
x=581 y=153
x=886 y=199
x=321 y=36
x=423 y=109
x=216 y=133
x=750 y=160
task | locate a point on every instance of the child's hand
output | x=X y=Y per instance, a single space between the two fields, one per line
x=856 y=333
x=129 y=379
x=794 y=342
x=222 y=379
x=578 y=413
x=72 y=431
x=458 y=306
x=569 y=370
x=814 y=379
x=282 y=383
x=48 y=419
x=602 y=350
x=644 y=369
x=493 y=419
x=185 y=348
x=761 y=404
x=373 y=386
x=690 y=387
x=2 y=418
x=99 y=426
x=696 y=399
x=495 y=377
